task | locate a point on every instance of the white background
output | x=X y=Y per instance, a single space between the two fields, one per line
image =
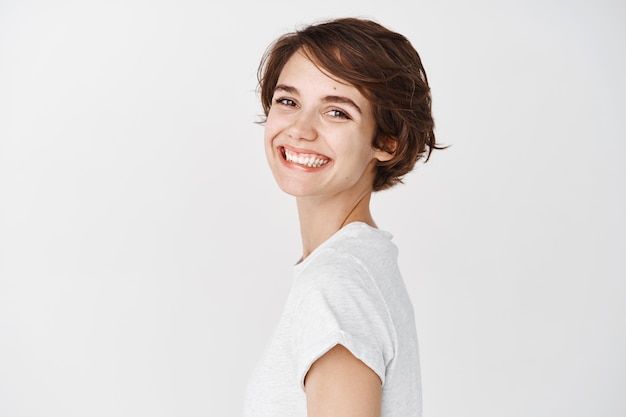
x=145 y=250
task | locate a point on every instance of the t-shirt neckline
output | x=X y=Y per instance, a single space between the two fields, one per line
x=352 y=225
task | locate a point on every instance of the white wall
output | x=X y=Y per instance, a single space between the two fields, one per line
x=145 y=251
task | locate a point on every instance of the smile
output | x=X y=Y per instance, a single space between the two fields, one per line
x=304 y=159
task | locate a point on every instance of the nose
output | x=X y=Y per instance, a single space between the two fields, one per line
x=303 y=126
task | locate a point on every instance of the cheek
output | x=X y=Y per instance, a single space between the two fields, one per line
x=271 y=127
x=269 y=134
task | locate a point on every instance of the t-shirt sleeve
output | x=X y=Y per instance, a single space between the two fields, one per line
x=340 y=303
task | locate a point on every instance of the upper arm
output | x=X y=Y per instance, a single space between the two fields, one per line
x=339 y=384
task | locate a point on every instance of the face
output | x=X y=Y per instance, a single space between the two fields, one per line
x=318 y=134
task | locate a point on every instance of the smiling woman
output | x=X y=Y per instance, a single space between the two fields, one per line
x=347 y=108
x=318 y=135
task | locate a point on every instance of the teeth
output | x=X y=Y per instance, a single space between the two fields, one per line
x=309 y=161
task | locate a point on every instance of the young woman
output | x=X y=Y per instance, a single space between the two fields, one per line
x=348 y=112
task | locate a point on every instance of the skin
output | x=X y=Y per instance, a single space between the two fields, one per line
x=313 y=114
x=331 y=123
x=338 y=384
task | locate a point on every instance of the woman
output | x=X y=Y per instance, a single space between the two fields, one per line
x=348 y=112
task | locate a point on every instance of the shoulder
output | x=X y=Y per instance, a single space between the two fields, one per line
x=356 y=247
x=339 y=297
x=364 y=241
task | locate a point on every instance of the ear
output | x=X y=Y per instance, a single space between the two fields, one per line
x=387 y=149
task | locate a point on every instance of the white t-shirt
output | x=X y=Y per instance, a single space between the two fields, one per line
x=349 y=291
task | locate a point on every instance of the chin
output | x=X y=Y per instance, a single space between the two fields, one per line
x=294 y=189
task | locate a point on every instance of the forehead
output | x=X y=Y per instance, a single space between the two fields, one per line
x=308 y=77
x=300 y=66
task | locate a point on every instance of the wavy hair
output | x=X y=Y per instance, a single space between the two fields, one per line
x=384 y=67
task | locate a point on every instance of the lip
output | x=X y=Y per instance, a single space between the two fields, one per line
x=282 y=149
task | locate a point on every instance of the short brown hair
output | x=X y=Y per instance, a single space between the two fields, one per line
x=384 y=67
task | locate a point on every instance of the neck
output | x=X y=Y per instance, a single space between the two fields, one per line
x=322 y=218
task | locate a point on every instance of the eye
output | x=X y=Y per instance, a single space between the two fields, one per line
x=285 y=102
x=338 y=114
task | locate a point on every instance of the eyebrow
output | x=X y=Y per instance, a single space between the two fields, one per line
x=326 y=99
